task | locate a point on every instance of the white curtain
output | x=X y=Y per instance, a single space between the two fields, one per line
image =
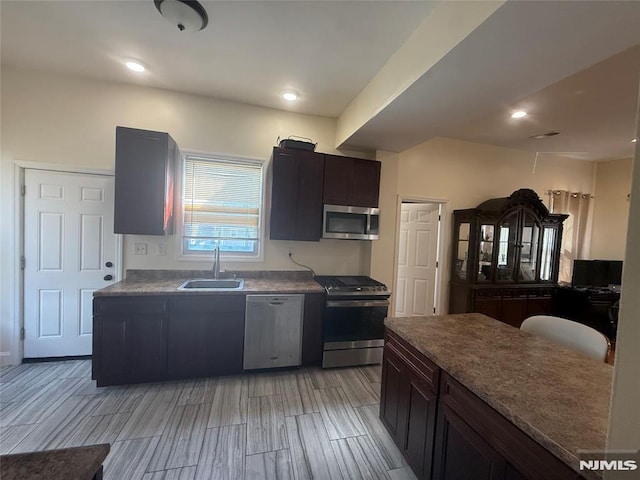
x=576 y=205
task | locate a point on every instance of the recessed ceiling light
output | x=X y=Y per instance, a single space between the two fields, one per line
x=135 y=66
x=519 y=114
x=290 y=95
x=634 y=140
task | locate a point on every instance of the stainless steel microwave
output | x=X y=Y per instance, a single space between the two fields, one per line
x=351 y=223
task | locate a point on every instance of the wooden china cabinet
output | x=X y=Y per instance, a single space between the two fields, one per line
x=505 y=258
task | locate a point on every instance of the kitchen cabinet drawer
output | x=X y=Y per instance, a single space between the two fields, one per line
x=129 y=305
x=206 y=303
x=144 y=182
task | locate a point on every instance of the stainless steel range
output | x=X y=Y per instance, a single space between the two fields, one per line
x=353 y=320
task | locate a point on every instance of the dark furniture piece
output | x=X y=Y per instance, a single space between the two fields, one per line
x=354 y=182
x=144 y=182
x=446 y=432
x=150 y=338
x=595 y=307
x=505 y=257
x=303 y=180
x=77 y=463
x=296 y=195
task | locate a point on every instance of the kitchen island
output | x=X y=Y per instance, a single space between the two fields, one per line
x=146 y=329
x=466 y=393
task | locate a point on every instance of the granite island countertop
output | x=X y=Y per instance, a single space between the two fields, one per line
x=555 y=395
x=166 y=282
x=78 y=463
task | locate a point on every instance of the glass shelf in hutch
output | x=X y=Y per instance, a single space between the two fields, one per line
x=506 y=256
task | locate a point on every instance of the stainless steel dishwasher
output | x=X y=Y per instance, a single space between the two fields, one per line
x=273 y=331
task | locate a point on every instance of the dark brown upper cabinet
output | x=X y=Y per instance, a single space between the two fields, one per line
x=144 y=185
x=296 y=195
x=351 y=181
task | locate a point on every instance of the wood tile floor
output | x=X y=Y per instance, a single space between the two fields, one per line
x=300 y=424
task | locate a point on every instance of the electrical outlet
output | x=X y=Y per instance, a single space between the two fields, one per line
x=139 y=248
x=289 y=251
x=162 y=249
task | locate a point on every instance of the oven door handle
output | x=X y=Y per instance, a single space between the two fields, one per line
x=357 y=303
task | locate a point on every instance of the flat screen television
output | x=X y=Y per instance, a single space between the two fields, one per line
x=596 y=273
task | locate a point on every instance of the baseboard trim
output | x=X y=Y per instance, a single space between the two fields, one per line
x=56 y=359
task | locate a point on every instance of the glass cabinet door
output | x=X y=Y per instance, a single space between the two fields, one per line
x=463 y=251
x=485 y=253
x=507 y=235
x=549 y=236
x=529 y=249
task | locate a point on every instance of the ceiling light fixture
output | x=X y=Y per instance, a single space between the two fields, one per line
x=519 y=114
x=187 y=15
x=552 y=133
x=290 y=95
x=135 y=66
x=634 y=140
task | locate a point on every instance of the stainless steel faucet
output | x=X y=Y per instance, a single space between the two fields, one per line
x=216 y=262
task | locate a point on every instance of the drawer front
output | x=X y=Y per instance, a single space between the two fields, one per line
x=130 y=305
x=424 y=368
x=215 y=303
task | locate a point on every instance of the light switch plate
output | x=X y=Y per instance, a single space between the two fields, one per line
x=139 y=248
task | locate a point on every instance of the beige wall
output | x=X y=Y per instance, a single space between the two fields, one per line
x=611 y=209
x=71 y=121
x=624 y=418
x=466 y=174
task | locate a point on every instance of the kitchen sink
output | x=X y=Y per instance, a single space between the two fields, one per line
x=212 y=284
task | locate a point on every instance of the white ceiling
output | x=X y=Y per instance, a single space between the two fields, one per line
x=249 y=52
x=573 y=65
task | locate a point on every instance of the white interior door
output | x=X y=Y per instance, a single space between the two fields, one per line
x=69 y=243
x=417 y=257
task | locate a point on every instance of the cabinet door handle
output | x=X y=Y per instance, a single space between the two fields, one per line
x=275 y=303
x=108 y=277
x=108 y=264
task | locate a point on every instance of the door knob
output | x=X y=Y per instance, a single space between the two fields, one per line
x=108 y=264
x=108 y=277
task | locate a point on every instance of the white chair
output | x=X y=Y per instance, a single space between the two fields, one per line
x=574 y=335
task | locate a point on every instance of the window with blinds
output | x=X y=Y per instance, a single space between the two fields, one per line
x=222 y=205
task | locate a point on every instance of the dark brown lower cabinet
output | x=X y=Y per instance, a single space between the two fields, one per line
x=312 y=331
x=408 y=403
x=152 y=338
x=206 y=335
x=446 y=432
x=129 y=339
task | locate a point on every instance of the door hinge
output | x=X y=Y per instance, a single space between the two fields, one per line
x=23 y=262
x=439 y=217
x=22 y=333
x=434 y=310
x=23 y=190
x=436 y=264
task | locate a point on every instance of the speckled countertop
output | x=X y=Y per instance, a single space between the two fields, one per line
x=558 y=397
x=78 y=463
x=166 y=282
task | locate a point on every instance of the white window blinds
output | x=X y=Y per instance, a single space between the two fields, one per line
x=222 y=201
